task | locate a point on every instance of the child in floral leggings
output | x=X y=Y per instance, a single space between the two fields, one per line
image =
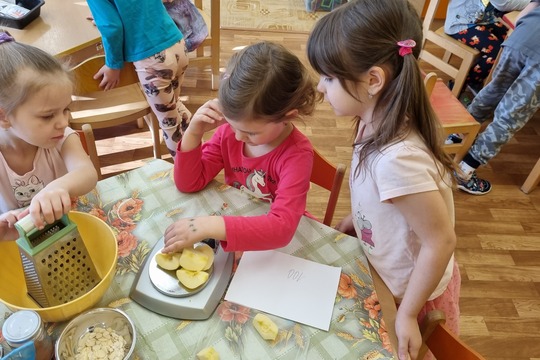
x=161 y=76
x=142 y=32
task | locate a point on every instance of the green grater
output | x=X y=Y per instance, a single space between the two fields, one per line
x=57 y=266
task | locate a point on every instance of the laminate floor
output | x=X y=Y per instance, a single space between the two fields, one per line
x=498 y=234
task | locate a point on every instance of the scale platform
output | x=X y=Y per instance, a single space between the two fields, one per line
x=160 y=291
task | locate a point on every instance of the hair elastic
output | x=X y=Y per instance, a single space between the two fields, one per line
x=5 y=37
x=406 y=46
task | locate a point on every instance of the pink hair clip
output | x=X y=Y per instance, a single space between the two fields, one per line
x=406 y=46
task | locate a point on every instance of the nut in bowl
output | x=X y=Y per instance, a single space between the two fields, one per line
x=102 y=333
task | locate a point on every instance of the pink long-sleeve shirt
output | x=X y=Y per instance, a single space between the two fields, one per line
x=281 y=176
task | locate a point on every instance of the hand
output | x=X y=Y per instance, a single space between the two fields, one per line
x=7 y=229
x=48 y=206
x=207 y=117
x=110 y=78
x=408 y=336
x=181 y=234
x=346 y=226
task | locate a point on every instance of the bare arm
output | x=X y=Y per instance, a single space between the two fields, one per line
x=427 y=215
x=55 y=199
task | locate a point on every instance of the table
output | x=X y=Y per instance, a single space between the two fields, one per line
x=62 y=30
x=147 y=198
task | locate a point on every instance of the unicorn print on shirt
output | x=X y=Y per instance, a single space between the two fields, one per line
x=25 y=191
x=253 y=181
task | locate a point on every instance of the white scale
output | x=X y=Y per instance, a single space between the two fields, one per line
x=160 y=291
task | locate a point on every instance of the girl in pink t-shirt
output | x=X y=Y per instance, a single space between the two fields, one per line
x=264 y=90
x=401 y=185
x=41 y=163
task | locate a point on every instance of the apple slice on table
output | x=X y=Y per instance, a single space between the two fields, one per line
x=168 y=261
x=191 y=279
x=193 y=260
x=265 y=327
x=208 y=251
x=208 y=353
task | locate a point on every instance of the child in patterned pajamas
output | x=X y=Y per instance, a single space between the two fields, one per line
x=512 y=98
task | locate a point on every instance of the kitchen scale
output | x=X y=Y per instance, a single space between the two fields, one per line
x=160 y=291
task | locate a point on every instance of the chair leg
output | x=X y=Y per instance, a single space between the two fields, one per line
x=140 y=123
x=532 y=180
x=152 y=122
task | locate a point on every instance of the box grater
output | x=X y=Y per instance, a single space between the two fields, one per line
x=57 y=266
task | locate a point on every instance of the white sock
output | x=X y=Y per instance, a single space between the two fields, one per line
x=467 y=170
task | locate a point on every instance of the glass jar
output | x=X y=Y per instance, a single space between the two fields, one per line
x=24 y=331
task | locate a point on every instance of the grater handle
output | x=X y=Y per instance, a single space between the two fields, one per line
x=25 y=225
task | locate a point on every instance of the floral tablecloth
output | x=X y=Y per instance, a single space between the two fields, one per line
x=140 y=204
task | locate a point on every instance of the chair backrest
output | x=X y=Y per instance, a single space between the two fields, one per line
x=429 y=82
x=436 y=39
x=329 y=177
x=88 y=141
x=84 y=75
x=442 y=342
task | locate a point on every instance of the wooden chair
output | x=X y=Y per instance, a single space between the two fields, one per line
x=102 y=109
x=329 y=177
x=442 y=342
x=212 y=41
x=453 y=115
x=532 y=180
x=429 y=82
x=88 y=141
x=451 y=47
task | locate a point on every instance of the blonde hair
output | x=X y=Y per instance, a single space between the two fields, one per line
x=266 y=81
x=19 y=60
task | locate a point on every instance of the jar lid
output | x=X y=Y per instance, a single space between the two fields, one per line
x=20 y=327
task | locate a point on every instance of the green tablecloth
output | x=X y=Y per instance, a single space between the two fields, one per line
x=140 y=204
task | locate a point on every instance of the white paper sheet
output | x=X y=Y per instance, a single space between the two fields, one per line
x=287 y=286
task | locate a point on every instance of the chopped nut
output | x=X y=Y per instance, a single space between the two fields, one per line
x=101 y=344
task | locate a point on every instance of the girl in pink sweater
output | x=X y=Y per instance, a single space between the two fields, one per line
x=264 y=90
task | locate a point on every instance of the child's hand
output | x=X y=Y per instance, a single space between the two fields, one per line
x=346 y=226
x=181 y=234
x=187 y=232
x=48 y=206
x=207 y=117
x=7 y=228
x=408 y=336
x=110 y=78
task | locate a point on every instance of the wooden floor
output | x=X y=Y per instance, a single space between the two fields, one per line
x=498 y=234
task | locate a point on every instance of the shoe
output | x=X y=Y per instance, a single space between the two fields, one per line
x=474 y=185
x=453 y=139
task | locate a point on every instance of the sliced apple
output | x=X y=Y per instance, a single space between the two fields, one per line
x=208 y=251
x=191 y=279
x=208 y=353
x=169 y=261
x=193 y=260
x=265 y=327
